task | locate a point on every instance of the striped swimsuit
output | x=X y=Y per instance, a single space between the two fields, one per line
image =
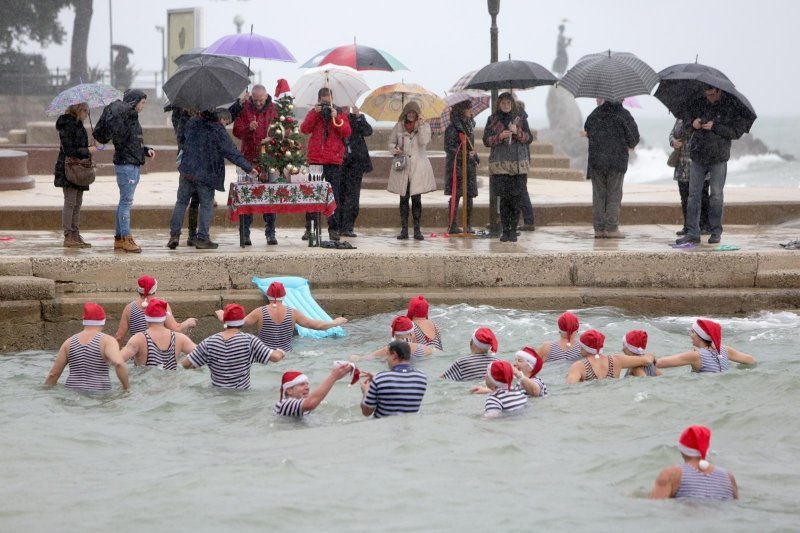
x=418 y=353
x=421 y=338
x=396 y=391
x=136 y=320
x=711 y=362
x=470 y=367
x=289 y=407
x=277 y=335
x=87 y=368
x=230 y=361
x=694 y=484
x=505 y=400
x=558 y=354
x=542 y=387
x=588 y=372
x=164 y=359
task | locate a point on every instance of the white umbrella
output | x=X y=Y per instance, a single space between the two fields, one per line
x=346 y=85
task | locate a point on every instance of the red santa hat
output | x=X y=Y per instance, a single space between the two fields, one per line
x=276 y=291
x=93 y=314
x=709 y=331
x=532 y=358
x=147 y=287
x=233 y=316
x=355 y=373
x=500 y=374
x=290 y=379
x=592 y=341
x=282 y=89
x=694 y=442
x=402 y=325
x=635 y=341
x=417 y=307
x=156 y=311
x=484 y=339
x=568 y=324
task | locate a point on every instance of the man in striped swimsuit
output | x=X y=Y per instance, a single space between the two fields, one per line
x=230 y=354
x=499 y=377
x=296 y=398
x=158 y=346
x=482 y=346
x=397 y=390
x=696 y=478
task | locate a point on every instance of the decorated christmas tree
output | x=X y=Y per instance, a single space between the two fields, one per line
x=282 y=153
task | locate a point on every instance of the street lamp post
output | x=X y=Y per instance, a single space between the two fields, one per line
x=238 y=21
x=160 y=29
x=110 y=49
x=494 y=9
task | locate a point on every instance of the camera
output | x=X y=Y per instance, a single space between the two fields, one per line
x=326 y=111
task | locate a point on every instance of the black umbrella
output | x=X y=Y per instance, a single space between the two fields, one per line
x=609 y=75
x=682 y=87
x=194 y=53
x=511 y=74
x=206 y=82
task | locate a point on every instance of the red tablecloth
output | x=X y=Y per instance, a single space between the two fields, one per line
x=304 y=197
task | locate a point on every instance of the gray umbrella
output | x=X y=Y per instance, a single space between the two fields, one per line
x=206 y=82
x=612 y=76
x=511 y=74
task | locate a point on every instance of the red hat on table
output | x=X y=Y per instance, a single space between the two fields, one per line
x=233 y=316
x=417 y=307
x=709 y=331
x=276 y=291
x=694 y=442
x=501 y=374
x=147 y=287
x=635 y=341
x=568 y=324
x=93 y=314
x=290 y=379
x=532 y=358
x=156 y=311
x=282 y=89
x=484 y=339
x=402 y=325
x=592 y=341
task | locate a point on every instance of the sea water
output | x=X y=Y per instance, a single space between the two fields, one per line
x=176 y=454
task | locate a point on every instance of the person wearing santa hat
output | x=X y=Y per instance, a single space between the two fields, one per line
x=395 y=391
x=565 y=348
x=276 y=321
x=133 y=318
x=230 y=353
x=708 y=354
x=526 y=367
x=696 y=478
x=88 y=355
x=595 y=365
x=426 y=330
x=158 y=346
x=635 y=343
x=482 y=347
x=503 y=398
x=402 y=330
x=297 y=399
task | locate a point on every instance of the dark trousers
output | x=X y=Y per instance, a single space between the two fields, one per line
x=351 y=196
x=333 y=175
x=269 y=224
x=683 y=188
x=509 y=188
x=526 y=207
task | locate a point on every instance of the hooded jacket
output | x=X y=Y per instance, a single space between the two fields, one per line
x=123 y=120
x=357 y=153
x=611 y=131
x=74 y=143
x=206 y=145
x=710 y=147
x=252 y=139
x=326 y=144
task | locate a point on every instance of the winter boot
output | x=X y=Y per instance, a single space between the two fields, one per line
x=403 y=218
x=416 y=213
x=77 y=237
x=70 y=242
x=174 y=240
x=129 y=245
x=117 y=243
x=205 y=244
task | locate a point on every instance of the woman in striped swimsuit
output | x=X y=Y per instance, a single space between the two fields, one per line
x=133 y=320
x=708 y=354
x=696 y=478
x=635 y=343
x=502 y=398
x=402 y=330
x=88 y=355
x=426 y=331
x=527 y=364
x=158 y=346
x=563 y=349
x=276 y=322
x=597 y=366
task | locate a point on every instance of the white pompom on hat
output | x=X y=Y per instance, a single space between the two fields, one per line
x=147 y=287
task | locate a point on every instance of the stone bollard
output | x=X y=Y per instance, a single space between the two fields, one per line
x=14 y=171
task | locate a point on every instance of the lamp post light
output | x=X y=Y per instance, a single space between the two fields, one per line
x=238 y=21
x=160 y=29
x=494 y=9
x=110 y=44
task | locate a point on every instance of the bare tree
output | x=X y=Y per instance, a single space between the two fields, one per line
x=79 y=67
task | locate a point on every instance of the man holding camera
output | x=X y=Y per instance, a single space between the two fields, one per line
x=715 y=124
x=326 y=147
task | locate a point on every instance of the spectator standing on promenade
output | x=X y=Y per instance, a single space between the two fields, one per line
x=679 y=139
x=460 y=129
x=356 y=163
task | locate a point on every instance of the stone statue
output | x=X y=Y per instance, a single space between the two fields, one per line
x=562 y=61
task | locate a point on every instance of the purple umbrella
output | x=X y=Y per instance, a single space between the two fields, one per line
x=251 y=45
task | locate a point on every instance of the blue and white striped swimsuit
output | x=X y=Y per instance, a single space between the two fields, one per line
x=694 y=484
x=711 y=362
x=161 y=358
x=230 y=360
x=419 y=352
x=558 y=354
x=87 y=368
x=277 y=335
x=421 y=338
x=136 y=320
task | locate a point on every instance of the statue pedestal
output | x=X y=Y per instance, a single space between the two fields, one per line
x=14 y=171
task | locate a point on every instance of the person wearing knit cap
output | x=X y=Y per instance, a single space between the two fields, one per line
x=502 y=398
x=230 y=353
x=426 y=330
x=482 y=346
x=158 y=346
x=296 y=397
x=566 y=347
x=133 y=318
x=402 y=330
x=708 y=354
x=398 y=390
x=526 y=367
x=88 y=355
x=276 y=321
x=635 y=343
x=696 y=478
x=595 y=365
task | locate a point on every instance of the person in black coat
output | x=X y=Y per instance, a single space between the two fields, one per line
x=74 y=143
x=612 y=132
x=461 y=123
x=356 y=163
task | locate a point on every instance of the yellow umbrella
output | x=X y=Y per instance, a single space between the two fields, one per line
x=386 y=103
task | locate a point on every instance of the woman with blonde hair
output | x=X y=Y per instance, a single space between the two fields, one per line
x=74 y=143
x=413 y=177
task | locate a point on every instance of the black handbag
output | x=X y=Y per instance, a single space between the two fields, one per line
x=674 y=158
x=80 y=172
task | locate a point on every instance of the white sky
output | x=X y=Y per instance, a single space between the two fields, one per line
x=754 y=43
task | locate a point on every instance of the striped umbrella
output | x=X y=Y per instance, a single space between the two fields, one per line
x=356 y=56
x=94 y=94
x=609 y=75
x=479 y=101
x=462 y=82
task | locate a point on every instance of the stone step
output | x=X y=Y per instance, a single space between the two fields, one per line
x=14 y=288
x=564 y=174
x=549 y=161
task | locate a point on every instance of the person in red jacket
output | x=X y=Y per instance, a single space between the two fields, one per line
x=326 y=147
x=251 y=126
